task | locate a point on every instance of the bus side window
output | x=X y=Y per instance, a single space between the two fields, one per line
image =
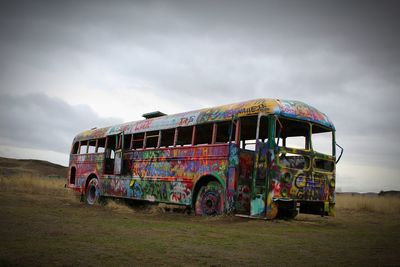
x=92 y=146
x=83 y=148
x=248 y=129
x=127 y=141
x=137 y=141
x=184 y=136
x=167 y=138
x=151 y=139
x=204 y=133
x=101 y=144
x=224 y=132
x=111 y=145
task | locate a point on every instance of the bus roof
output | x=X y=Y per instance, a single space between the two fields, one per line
x=284 y=108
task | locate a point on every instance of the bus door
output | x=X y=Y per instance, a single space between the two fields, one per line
x=119 y=154
x=259 y=178
x=113 y=154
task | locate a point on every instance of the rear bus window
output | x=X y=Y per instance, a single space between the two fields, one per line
x=83 y=149
x=75 y=148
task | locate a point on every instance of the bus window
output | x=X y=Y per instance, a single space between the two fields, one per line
x=293 y=161
x=83 y=148
x=184 y=136
x=295 y=142
x=248 y=132
x=118 y=142
x=137 y=141
x=293 y=134
x=127 y=141
x=204 y=134
x=324 y=165
x=151 y=139
x=111 y=146
x=167 y=138
x=224 y=131
x=92 y=146
x=101 y=144
x=110 y=155
x=322 y=140
x=75 y=148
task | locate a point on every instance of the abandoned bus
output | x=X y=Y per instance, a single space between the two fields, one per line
x=260 y=158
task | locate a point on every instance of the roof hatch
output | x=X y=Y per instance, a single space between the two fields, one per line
x=153 y=114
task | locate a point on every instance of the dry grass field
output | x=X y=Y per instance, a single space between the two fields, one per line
x=43 y=224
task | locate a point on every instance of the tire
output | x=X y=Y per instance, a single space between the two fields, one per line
x=210 y=200
x=92 y=194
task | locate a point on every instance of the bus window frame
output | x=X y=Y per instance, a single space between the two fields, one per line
x=308 y=147
x=332 y=131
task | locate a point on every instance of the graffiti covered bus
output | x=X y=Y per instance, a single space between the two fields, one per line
x=260 y=158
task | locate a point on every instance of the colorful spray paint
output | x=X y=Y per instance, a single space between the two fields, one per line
x=212 y=178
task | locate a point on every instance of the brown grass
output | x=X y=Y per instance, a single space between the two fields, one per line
x=41 y=225
x=118 y=206
x=28 y=184
x=37 y=184
x=379 y=204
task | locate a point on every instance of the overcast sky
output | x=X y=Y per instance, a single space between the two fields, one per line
x=67 y=66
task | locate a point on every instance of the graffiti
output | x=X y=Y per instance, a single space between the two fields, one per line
x=186 y=121
x=169 y=174
x=246 y=162
x=300 y=110
x=180 y=193
x=231 y=111
x=243 y=198
x=257 y=207
x=294 y=109
x=142 y=125
x=152 y=190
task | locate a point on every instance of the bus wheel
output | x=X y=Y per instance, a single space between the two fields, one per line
x=92 y=195
x=210 y=200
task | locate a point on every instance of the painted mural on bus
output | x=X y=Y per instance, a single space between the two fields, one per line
x=232 y=159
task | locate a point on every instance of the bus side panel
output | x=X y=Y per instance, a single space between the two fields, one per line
x=85 y=165
x=167 y=175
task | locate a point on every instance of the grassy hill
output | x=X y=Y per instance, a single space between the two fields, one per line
x=30 y=167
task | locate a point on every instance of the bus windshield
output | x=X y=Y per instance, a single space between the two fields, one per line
x=293 y=134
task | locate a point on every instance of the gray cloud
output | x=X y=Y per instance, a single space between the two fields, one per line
x=41 y=122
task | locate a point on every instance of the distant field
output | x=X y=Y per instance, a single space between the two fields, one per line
x=42 y=223
x=31 y=168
